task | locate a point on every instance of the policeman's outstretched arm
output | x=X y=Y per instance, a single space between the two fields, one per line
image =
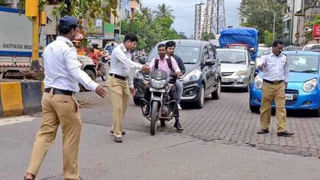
x=74 y=67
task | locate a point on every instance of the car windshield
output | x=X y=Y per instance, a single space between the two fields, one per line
x=232 y=57
x=189 y=54
x=303 y=63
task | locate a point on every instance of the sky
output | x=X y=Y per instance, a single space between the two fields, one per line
x=183 y=11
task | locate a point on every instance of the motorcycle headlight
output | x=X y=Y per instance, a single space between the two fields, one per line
x=158 y=84
x=193 y=75
x=258 y=82
x=309 y=85
x=241 y=73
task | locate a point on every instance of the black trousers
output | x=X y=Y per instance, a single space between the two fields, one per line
x=173 y=95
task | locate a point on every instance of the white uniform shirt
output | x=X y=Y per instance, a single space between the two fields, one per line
x=62 y=68
x=121 y=63
x=275 y=67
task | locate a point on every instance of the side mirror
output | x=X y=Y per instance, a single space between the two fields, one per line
x=251 y=49
x=252 y=63
x=210 y=62
x=142 y=60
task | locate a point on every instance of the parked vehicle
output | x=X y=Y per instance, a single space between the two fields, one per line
x=303 y=90
x=202 y=77
x=161 y=106
x=16 y=43
x=237 y=68
x=240 y=38
x=312 y=47
x=89 y=67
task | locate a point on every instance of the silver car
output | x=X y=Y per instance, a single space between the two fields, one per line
x=237 y=69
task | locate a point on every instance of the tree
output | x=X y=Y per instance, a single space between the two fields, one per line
x=260 y=15
x=91 y=8
x=163 y=11
x=208 y=36
x=268 y=38
x=150 y=28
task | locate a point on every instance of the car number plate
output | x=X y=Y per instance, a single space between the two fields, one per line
x=289 y=96
x=226 y=80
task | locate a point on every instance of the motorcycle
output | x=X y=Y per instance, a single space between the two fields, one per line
x=161 y=106
x=101 y=68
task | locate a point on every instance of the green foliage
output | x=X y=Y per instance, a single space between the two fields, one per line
x=260 y=15
x=268 y=38
x=92 y=8
x=150 y=28
x=208 y=36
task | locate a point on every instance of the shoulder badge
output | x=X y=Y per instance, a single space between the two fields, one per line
x=69 y=44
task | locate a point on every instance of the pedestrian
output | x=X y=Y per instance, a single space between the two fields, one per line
x=275 y=80
x=59 y=105
x=170 y=47
x=120 y=82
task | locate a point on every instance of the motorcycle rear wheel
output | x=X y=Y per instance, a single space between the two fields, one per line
x=154 y=117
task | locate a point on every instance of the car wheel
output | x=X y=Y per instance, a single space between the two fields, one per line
x=254 y=109
x=200 y=101
x=217 y=92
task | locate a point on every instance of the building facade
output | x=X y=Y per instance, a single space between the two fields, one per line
x=199 y=20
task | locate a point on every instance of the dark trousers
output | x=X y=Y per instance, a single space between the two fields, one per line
x=173 y=95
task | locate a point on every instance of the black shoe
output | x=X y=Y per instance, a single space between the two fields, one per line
x=123 y=132
x=263 y=131
x=118 y=139
x=285 y=134
x=178 y=126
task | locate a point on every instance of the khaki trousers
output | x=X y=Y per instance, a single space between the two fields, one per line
x=119 y=95
x=274 y=92
x=56 y=110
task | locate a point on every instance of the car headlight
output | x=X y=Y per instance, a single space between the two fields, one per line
x=258 y=82
x=193 y=75
x=138 y=74
x=309 y=85
x=158 y=84
x=241 y=73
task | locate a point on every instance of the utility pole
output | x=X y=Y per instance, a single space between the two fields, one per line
x=274 y=25
x=32 y=10
x=292 y=22
x=218 y=8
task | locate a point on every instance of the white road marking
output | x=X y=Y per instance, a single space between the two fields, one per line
x=15 y=120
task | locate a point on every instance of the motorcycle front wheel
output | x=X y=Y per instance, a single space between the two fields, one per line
x=154 y=117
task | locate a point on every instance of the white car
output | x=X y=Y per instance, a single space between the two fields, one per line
x=312 y=47
x=237 y=68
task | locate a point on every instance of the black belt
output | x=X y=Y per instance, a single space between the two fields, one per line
x=118 y=76
x=58 y=91
x=272 y=82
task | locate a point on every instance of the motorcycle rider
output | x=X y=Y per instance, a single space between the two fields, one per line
x=170 y=47
x=169 y=65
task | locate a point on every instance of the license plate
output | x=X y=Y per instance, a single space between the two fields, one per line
x=227 y=80
x=289 y=96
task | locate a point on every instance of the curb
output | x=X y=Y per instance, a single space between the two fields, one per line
x=20 y=97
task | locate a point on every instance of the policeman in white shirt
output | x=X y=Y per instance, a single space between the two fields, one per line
x=275 y=80
x=59 y=105
x=120 y=82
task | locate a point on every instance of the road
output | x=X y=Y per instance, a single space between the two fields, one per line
x=219 y=142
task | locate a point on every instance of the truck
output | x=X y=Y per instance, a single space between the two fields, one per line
x=16 y=45
x=241 y=38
